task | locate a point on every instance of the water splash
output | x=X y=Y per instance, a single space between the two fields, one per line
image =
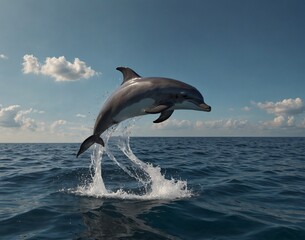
x=150 y=177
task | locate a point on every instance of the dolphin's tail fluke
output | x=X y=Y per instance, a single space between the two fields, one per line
x=89 y=142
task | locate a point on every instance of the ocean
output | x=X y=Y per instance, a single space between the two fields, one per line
x=155 y=188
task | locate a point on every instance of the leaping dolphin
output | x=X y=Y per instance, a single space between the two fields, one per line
x=139 y=96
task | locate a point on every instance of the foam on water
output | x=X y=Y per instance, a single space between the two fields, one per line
x=150 y=177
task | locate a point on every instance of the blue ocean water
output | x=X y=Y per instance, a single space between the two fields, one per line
x=192 y=188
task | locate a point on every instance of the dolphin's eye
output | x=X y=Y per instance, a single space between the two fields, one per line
x=184 y=95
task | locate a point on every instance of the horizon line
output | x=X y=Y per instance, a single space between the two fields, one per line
x=67 y=142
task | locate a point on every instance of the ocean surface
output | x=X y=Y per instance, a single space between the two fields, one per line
x=155 y=188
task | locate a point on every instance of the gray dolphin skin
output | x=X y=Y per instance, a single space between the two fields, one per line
x=140 y=96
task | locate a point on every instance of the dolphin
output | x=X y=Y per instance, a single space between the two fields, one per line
x=140 y=96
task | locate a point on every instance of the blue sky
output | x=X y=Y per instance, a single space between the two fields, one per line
x=58 y=60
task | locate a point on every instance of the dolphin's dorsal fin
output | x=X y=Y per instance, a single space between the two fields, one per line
x=128 y=73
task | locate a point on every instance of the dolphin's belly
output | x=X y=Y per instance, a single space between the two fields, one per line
x=134 y=109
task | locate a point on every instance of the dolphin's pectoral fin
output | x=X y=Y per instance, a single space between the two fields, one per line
x=89 y=142
x=164 y=116
x=158 y=109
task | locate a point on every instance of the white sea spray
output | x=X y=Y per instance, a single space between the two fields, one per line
x=154 y=182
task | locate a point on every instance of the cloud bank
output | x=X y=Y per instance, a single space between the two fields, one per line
x=15 y=117
x=171 y=124
x=285 y=107
x=223 y=123
x=58 y=68
x=288 y=119
x=18 y=124
x=285 y=112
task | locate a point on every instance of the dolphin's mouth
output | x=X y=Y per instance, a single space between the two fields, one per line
x=205 y=107
x=198 y=106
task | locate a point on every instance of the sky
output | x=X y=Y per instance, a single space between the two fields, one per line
x=58 y=60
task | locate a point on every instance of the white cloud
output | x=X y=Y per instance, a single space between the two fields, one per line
x=282 y=122
x=225 y=124
x=2 y=56
x=18 y=124
x=81 y=115
x=173 y=124
x=62 y=70
x=30 y=65
x=287 y=107
x=7 y=116
x=70 y=131
x=58 y=68
x=285 y=112
x=222 y=123
x=14 y=117
x=56 y=126
x=291 y=121
x=279 y=121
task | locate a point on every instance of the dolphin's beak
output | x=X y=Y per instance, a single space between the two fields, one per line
x=205 y=107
